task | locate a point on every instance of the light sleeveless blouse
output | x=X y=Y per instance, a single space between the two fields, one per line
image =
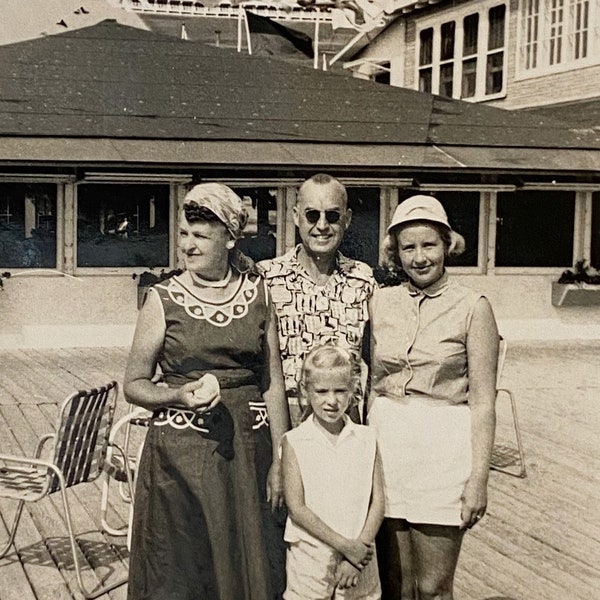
x=419 y=341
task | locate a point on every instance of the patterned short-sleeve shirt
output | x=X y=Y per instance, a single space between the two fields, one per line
x=310 y=314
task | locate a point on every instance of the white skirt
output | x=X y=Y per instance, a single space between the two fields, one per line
x=426 y=457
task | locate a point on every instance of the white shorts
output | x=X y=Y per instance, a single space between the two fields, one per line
x=311 y=568
x=425 y=453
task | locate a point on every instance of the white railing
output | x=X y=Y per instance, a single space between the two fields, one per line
x=226 y=10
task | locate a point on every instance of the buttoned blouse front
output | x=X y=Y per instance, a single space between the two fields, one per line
x=419 y=341
x=337 y=478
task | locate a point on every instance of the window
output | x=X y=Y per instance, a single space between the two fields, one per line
x=122 y=225
x=447 y=59
x=426 y=60
x=383 y=74
x=28 y=225
x=469 y=66
x=554 y=34
x=464 y=57
x=361 y=240
x=495 y=53
x=462 y=209
x=535 y=229
x=595 y=251
x=260 y=235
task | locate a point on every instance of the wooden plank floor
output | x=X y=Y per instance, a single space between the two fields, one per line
x=539 y=541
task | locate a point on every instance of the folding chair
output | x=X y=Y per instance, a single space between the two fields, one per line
x=508 y=459
x=123 y=468
x=79 y=449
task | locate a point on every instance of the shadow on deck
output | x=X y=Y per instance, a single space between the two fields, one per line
x=539 y=541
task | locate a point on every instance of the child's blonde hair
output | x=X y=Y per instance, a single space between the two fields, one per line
x=325 y=356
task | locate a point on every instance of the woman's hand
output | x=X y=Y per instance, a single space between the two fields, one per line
x=275 y=486
x=346 y=575
x=201 y=395
x=474 y=503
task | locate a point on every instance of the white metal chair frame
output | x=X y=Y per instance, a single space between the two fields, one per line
x=123 y=468
x=79 y=450
x=497 y=464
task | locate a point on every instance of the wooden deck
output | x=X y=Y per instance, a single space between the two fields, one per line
x=540 y=540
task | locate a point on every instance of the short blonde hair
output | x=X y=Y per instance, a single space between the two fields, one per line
x=327 y=356
x=454 y=243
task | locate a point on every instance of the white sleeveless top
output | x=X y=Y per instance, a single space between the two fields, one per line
x=337 y=478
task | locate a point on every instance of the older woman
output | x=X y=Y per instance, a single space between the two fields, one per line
x=207 y=466
x=434 y=354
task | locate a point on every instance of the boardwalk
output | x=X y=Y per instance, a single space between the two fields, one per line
x=540 y=540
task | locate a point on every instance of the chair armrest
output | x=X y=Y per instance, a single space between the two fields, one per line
x=135 y=413
x=42 y=442
x=30 y=462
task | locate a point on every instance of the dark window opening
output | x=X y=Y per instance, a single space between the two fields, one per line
x=260 y=235
x=28 y=225
x=535 y=229
x=122 y=225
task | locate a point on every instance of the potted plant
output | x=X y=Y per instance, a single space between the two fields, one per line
x=578 y=286
x=147 y=279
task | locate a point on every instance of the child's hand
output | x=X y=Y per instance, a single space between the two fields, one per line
x=358 y=553
x=346 y=575
x=275 y=486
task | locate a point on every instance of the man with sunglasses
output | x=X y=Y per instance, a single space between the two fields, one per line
x=319 y=295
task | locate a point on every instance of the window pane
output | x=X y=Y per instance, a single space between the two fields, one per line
x=446 y=80
x=122 y=225
x=259 y=241
x=469 y=78
x=471 y=24
x=361 y=240
x=595 y=254
x=426 y=46
x=531 y=33
x=447 y=47
x=535 y=229
x=425 y=80
x=581 y=28
x=28 y=225
x=496 y=35
x=383 y=76
x=494 y=75
x=462 y=209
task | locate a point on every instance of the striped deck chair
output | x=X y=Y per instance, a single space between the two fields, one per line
x=79 y=449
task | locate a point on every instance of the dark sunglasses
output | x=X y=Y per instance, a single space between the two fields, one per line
x=313 y=215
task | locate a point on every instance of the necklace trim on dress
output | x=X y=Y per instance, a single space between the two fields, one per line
x=212 y=284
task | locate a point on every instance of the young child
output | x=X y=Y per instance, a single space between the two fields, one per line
x=333 y=489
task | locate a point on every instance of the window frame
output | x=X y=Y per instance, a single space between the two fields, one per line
x=71 y=221
x=60 y=182
x=458 y=16
x=582 y=228
x=568 y=37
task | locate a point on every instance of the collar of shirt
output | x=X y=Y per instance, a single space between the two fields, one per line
x=290 y=265
x=313 y=431
x=435 y=289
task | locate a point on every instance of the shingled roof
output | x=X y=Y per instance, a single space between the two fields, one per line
x=96 y=93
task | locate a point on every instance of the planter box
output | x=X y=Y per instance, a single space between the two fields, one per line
x=575 y=294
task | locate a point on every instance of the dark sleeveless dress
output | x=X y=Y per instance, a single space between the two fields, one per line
x=202 y=528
